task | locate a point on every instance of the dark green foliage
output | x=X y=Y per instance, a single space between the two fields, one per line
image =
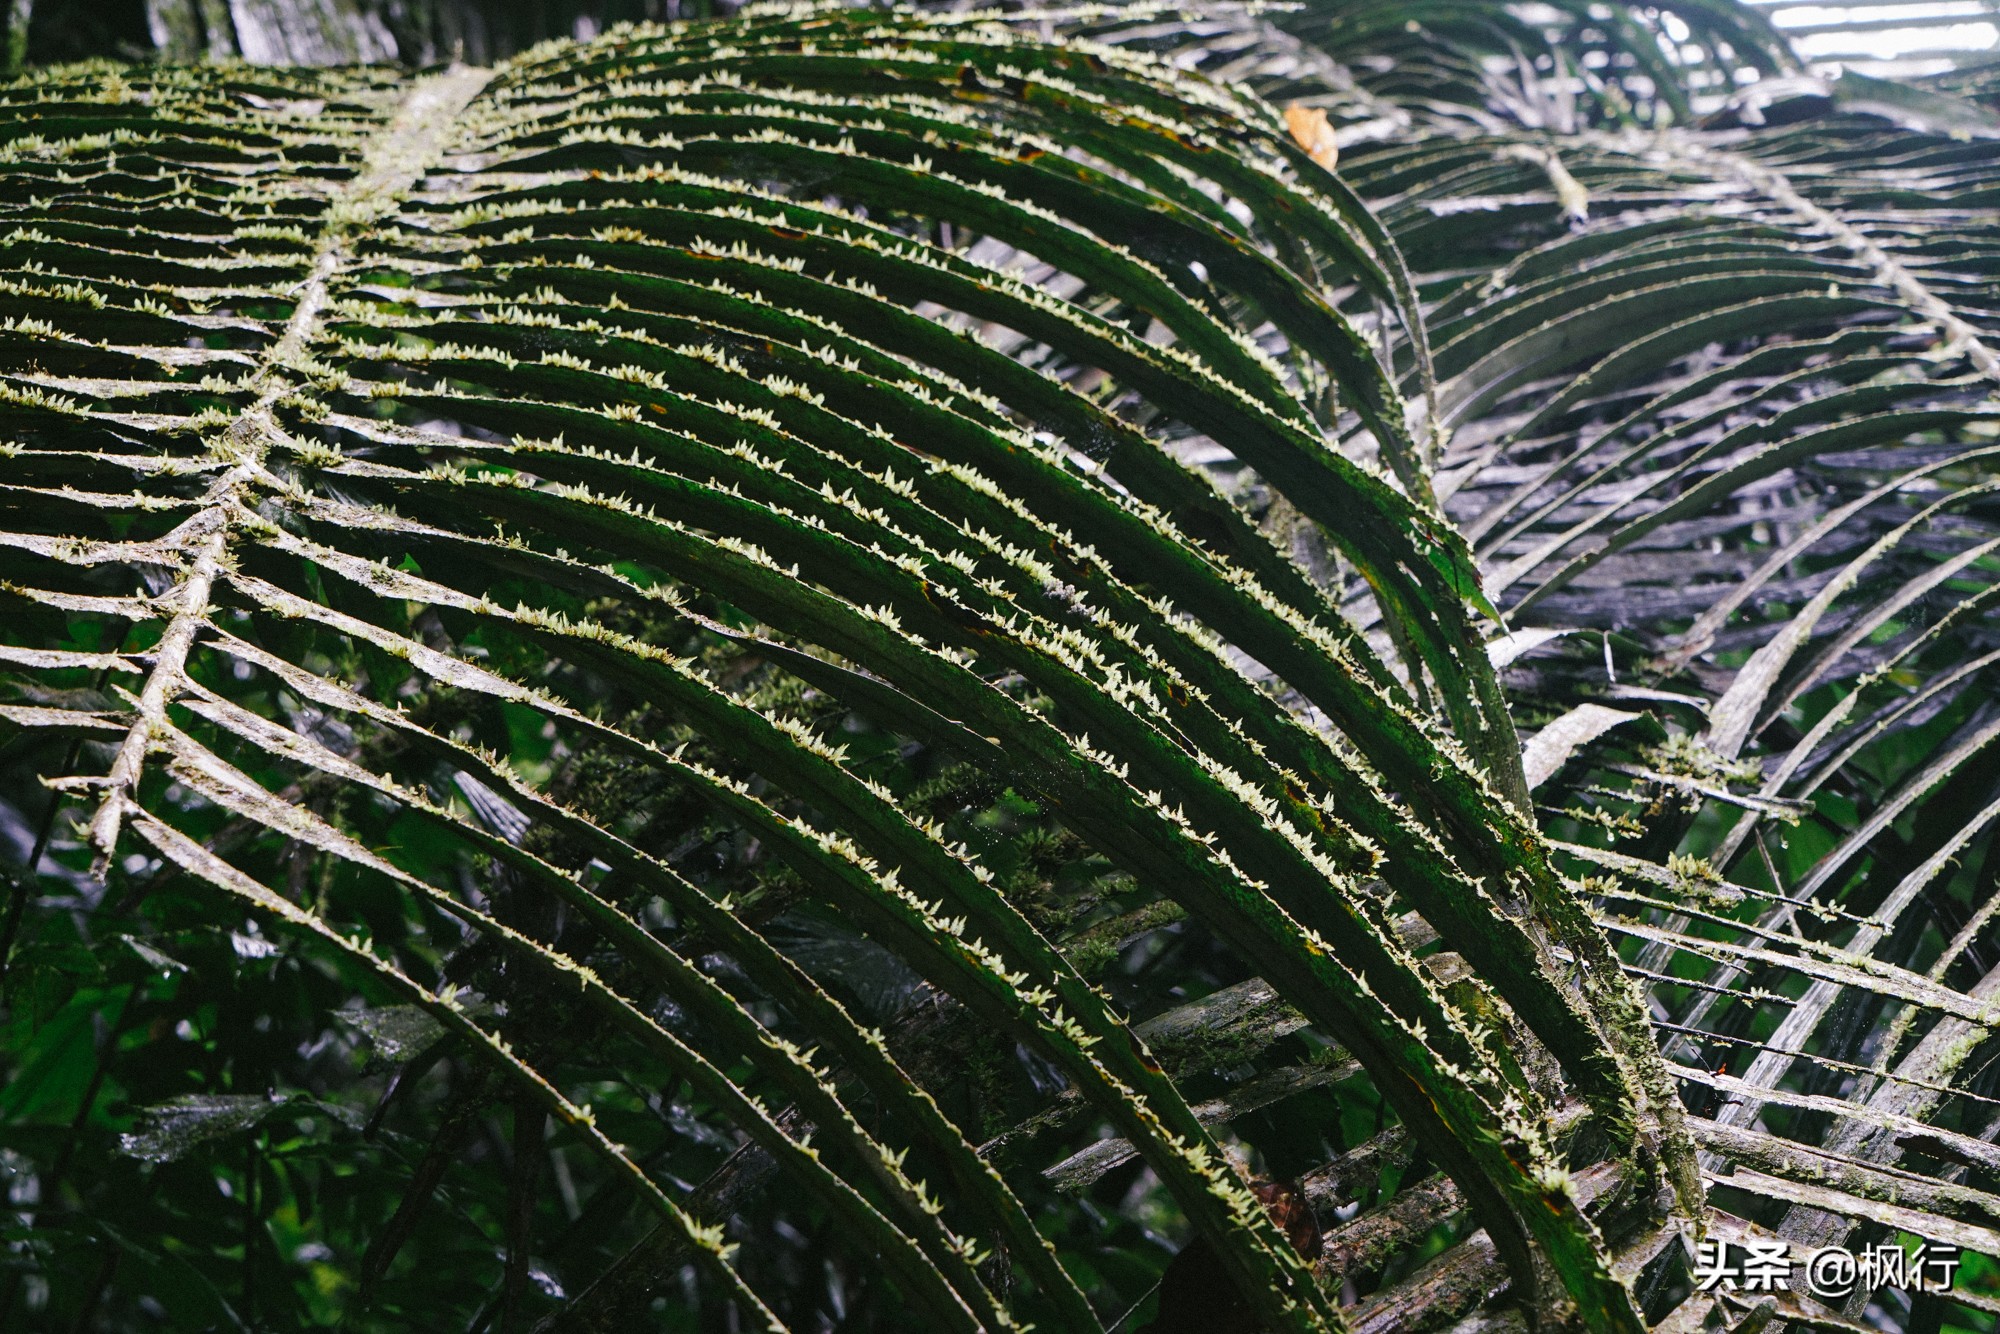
x=842 y=670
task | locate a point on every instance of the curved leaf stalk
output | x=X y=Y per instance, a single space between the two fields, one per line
x=402 y=150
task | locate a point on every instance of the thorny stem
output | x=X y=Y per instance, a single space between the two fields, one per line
x=393 y=162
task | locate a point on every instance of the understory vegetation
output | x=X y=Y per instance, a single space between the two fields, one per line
x=1139 y=668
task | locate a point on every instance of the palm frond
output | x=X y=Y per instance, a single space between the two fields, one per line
x=897 y=642
x=531 y=374
x=1721 y=410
